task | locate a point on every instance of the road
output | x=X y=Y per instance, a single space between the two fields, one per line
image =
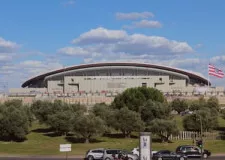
x=54 y=158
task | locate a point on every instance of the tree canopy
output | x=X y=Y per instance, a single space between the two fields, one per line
x=134 y=98
x=152 y=110
x=205 y=116
x=163 y=128
x=14 y=120
x=179 y=105
x=127 y=121
x=88 y=126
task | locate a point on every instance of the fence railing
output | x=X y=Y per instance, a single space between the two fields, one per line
x=188 y=135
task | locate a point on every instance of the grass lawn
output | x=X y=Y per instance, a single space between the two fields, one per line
x=39 y=143
x=221 y=122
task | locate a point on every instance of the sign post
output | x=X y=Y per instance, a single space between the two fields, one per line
x=145 y=146
x=65 y=148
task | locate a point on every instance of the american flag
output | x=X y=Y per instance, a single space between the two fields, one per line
x=215 y=71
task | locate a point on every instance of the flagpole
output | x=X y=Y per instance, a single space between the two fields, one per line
x=208 y=84
x=208 y=81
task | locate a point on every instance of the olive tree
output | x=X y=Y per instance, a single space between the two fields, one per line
x=14 y=120
x=127 y=121
x=88 y=126
x=163 y=128
x=135 y=98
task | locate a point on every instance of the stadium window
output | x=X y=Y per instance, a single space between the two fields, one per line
x=144 y=84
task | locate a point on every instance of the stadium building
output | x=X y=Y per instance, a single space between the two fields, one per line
x=109 y=79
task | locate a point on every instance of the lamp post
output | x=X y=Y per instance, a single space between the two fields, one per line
x=201 y=136
x=200 y=118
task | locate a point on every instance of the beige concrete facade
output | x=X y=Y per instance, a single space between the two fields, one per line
x=101 y=82
x=91 y=84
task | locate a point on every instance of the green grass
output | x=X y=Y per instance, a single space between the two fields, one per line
x=179 y=122
x=40 y=144
x=221 y=122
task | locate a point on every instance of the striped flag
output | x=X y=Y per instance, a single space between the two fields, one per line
x=212 y=70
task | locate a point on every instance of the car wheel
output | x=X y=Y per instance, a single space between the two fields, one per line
x=205 y=155
x=181 y=158
x=160 y=158
x=90 y=158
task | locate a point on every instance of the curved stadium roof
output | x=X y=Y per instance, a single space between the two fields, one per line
x=191 y=75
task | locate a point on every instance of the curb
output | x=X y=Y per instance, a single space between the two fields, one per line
x=43 y=156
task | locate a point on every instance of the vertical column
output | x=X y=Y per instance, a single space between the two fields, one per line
x=145 y=146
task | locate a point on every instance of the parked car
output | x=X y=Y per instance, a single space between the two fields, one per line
x=168 y=155
x=192 y=151
x=94 y=154
x=136 y=151
x=111 y=154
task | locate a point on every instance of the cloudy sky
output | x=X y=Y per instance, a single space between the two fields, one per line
x=40 y=36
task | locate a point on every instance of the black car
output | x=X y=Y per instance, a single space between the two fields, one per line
x=168 y=155
x=192 y=151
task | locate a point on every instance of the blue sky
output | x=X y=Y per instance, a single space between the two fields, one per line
x=39 y=36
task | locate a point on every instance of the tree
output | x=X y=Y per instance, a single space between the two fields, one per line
x=14 y=122
x=223 y=113
x=61 y=122
x=57 y=115
x=152 y=110
x=163 y=128
x=193 y=122
x=213 y=103
x=78 y=108
x=195 y=105
x=102 y=110
x=127 y=121
x=134 y=98
x=88 y=126
x=105 y=113
x=41 y=110
x=179 y=105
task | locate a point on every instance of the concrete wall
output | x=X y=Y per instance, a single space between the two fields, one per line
x=27 y=90
x=91 y=99
x=55 y=86
x=74 y=84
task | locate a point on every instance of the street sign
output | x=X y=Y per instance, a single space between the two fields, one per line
x=65 y=148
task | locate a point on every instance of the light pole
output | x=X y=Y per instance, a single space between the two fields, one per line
x=201 y=135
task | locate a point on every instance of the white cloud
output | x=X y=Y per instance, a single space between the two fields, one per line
x=7 y=46
x=134 y=15
x=144 y=24
x=148 y=24
x=103 y=41
x=69 y=3
x=218 y=59
x=5 y=58
x=42 y=66
x=142 y=44
x=74 y=51
x=100 y=35
x=199 y=45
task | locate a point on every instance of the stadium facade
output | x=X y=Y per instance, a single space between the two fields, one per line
x=100 y=82
x=116 y=77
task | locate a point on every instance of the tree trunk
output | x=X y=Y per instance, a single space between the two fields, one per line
x=128 y=134
x=86 y=140
x=124 y=134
